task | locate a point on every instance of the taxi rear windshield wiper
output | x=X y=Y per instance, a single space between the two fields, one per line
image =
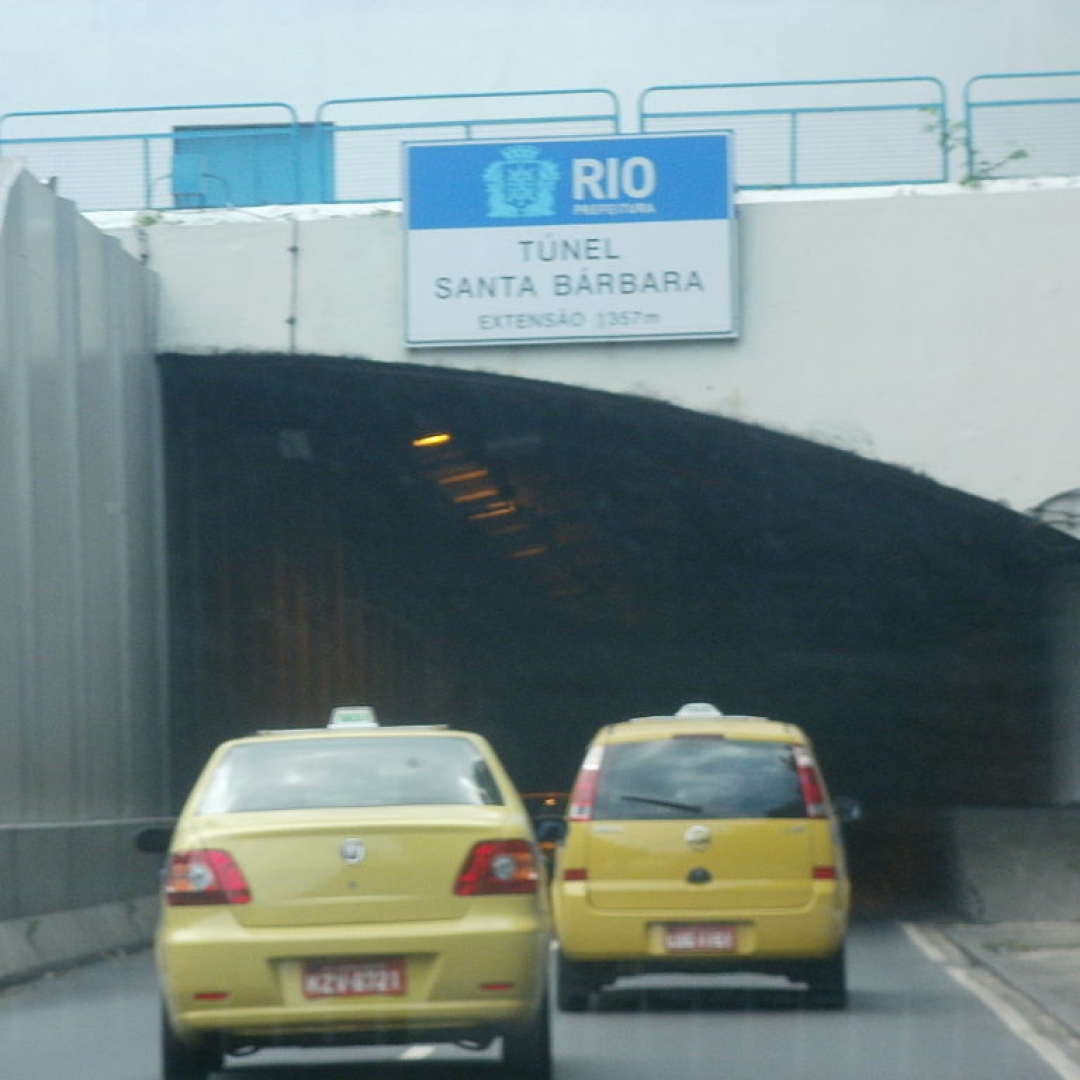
x=671 y=805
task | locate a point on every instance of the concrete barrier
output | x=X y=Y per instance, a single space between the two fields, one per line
x=33 y=945
x=1016 y=864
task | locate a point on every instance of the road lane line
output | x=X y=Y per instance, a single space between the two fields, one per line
x=1011 y=1017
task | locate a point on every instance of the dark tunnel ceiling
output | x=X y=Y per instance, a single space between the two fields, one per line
x=622 y=513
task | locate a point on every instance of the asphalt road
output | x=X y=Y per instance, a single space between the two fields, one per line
x=910 y=1019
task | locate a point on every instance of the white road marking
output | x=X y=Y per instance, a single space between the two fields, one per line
x=1011 y=1017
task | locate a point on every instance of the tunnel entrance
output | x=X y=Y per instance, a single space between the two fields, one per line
x=531 y=561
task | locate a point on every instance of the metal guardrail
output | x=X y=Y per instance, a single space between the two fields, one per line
x=106 y=159
x=833 y=133
x=1022 y=125
x=368 y=133
x=827 y=133
x=259 y=153
x=90 y=863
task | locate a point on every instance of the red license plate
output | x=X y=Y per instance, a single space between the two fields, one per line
x=354 y=978
x=699 y=938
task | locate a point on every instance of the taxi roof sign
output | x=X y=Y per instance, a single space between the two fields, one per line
x=698 y=708
x=353 y=716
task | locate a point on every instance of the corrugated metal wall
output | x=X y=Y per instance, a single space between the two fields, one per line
x=82 y=646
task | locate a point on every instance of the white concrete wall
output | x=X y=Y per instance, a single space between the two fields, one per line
x=933 y=329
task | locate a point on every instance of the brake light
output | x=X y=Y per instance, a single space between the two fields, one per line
x=204 y=877
x=583 y=798
x=498 y=866
x=813 y=790
x=824 y=873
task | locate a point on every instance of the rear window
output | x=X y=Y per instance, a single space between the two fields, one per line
x=695 y=777
x=298 y=774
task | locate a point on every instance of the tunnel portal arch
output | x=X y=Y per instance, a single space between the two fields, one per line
x=566 y=557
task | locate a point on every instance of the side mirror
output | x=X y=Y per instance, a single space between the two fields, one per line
x=154 y=840
x=848 y=810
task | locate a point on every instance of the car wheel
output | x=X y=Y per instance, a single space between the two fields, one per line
x=187 y=1061
x=574 y=982
x=827 y=983
x=526 y=1053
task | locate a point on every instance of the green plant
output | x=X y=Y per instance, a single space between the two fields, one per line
x=954 y=137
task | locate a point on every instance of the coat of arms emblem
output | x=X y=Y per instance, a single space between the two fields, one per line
x=521 y=184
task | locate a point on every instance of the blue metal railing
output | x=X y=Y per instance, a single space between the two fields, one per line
x=831 y=133
x=369 y=133
x=826 y=133
x=119 y=165
x=1022 y=125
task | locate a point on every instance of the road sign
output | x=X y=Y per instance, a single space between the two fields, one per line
x=628 y=237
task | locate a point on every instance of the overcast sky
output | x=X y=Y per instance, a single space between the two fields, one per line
x=68 y=54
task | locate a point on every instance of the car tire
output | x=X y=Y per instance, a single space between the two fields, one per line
x=184 y=1060
x=827 y=983
x=526 y=1051
x=574 y=984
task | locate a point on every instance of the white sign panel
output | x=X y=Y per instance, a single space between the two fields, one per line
x=620 y=238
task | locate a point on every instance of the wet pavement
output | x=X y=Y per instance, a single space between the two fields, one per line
x=1040 y=960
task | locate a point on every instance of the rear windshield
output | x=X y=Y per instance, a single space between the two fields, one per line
x=699 y=777
x=297 y=774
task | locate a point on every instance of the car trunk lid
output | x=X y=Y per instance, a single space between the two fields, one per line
x=712 y=865
x=314 y=868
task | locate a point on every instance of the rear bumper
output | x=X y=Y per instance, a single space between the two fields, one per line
x=469 y=978
x=813 y=932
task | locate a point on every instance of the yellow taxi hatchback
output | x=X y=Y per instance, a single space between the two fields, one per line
x=355 y=886
x=700 y=843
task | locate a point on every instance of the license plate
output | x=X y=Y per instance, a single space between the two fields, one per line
x=354 y=978
x=699 y=938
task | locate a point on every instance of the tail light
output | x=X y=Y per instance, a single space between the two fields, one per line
x=812 y=788
x=498 y=866
x=583 y=798
x=204 y=877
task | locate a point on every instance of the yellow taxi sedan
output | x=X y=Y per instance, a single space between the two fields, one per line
x=361 y=885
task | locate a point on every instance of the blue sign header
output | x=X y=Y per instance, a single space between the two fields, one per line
x=583 y=181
